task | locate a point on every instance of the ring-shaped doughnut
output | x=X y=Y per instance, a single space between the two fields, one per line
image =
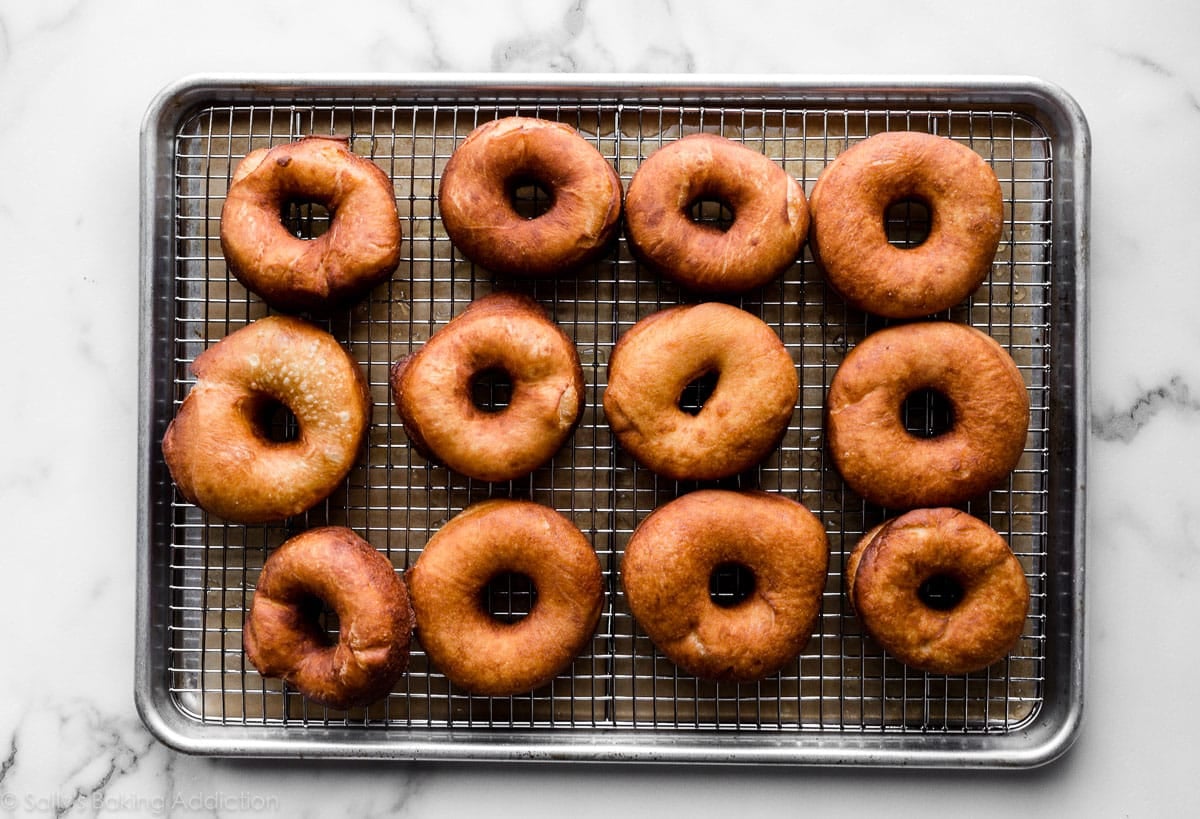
x=849 y=237
x=477 y=651
x=217 y=447
x=504 y=332
x=475 y=197
x=359 y=249
x=282 y=638
x=770 y=215
x=979 y=612
x=886 y=464
x=741 y=421
x=673 y=555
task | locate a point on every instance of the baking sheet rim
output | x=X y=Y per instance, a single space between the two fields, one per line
x=1044 y=742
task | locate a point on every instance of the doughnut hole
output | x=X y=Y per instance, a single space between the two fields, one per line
x=305 y=219
x=730 y=584
x=697 y=392
x=529 y=197
x=941 y=591
x=273 y=421
x=927 y=413
x=320 y=620
x=711 y=212
x=907 y=222
x=508 y=597
x=491 y=390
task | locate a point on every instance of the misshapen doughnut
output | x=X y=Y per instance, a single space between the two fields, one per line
x=217 y=447
x=673 y=555
x=478 y=651
x=849 y=237
x=360 y=248
x=744 y=417
x=886 y=464
x=500 y=332
x=938 y=589
x=770 y=215
x=282 y=638
x=476 y=191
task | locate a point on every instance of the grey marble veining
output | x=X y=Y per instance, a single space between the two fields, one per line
x=1122 y=424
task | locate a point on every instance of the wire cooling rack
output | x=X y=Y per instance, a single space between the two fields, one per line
x=620 y=693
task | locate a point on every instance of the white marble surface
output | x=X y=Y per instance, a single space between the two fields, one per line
x=75 y=79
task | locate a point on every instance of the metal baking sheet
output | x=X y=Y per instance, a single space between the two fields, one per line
x=842 y=701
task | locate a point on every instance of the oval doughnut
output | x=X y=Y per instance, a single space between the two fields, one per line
x=883 y=462
x=360 y=248
x=490 y=539
x=849 y=238
x=770 y=215
x=742 y=420
x=673 y=554
x=477 y=186
x=498 y=332
x=984 y=597
x=216 y=447
x=282 y=638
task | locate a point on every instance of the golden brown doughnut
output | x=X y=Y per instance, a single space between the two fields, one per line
x=477 y=186
x=504 y=332
x=742 y=420
x=360 y=248
x=849 y=238
x=282 y=638
x=938 y=589
x=490 y=539
x=886 y=464
x=217 y=447
x=673 y=555
x=770 y=215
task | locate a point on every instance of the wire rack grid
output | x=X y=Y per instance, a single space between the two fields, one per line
x=841 y=682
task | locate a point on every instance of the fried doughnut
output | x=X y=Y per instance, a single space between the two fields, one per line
x=475 y=197
x=886 y=464
x=849 y=238
x=217 y=446
x=501 y=332
x=282 y=638
x=491 y=539
x=770 y=215
x=938 y=589
x=740 y=422
x=360 y=248
x=674 y=554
